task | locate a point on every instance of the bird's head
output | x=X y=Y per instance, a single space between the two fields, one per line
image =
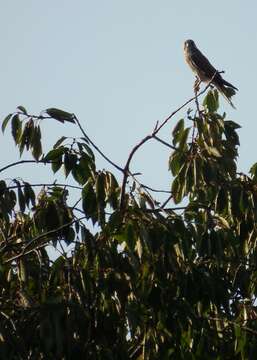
x=189 y=45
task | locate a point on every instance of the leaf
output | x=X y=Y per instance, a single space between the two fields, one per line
x=55 y=153
x=58 y=143
x=22 y=109
x=29 y=194
x=70 y=161
x=211 y=101
x=112 y=190
x=176 y=161
x=5 y=121
x=183 y=139
x=88 y=150
x=60 y=115
x=27 y=136
x=36 y=143
x=253 y=170
x=2 y=187
x=177 y=131
x=79 y=175
x=100 y=188
x=89 y=203
x=100 y=196
x=177 y=190
x=56 y=164
x=222 y=222
x=139 y=248
x=21 y=198
x=232 y=124
x=16 y=128
x=212 y=151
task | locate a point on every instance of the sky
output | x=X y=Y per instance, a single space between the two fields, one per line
x=119 y=66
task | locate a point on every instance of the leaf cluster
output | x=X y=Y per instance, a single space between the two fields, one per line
x=142 y=281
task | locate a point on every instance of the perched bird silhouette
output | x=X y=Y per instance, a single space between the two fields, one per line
x=206 y=72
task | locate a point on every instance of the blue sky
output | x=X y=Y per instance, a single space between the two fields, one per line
x=119 y=66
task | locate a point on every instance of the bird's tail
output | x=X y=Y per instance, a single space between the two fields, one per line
x=226 y=83
x=228 y=92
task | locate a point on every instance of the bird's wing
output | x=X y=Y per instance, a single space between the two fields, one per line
x=201 y=63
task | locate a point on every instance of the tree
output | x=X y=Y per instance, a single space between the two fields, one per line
x=144 y=280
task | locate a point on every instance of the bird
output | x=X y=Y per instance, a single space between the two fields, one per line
x=206 y=72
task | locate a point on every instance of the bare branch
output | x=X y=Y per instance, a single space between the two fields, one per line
x=20 y=162
x=96 y=147
x=164 y=142
x=157 y=128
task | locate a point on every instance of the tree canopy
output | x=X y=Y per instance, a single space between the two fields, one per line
x=144 y=280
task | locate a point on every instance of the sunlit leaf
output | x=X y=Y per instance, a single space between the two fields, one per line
x=211 y=100
x=5 y=121
x=22 y=109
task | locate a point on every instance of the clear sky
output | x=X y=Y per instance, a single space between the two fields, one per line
x=119 y=66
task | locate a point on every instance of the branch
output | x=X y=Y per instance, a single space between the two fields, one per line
x=157 y=128
x=96 y=147
x=36 y=117
x=51 y=232
x=48 y=185
x=164 y=142
x=20 y=162
x=154 y=190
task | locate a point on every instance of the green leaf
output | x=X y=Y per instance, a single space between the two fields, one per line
x=27 y=136
x=56 y=164
x=222 y=222
x=232 y=124
x=36 y=143
x=59 y=142
x=55 y=153
x=176 y=161
x=29 y=194
x=88 y=150
x=112 y=190
x=5 y=121
x=70 y=161
x=89 y=203
x=21 y=199
x=22 y=109
x=2 y=187
x=100 y=187
x=60 y=115
x=85 y=169
x=253 y=170
x=177 y=190
x=16 y=128
x=211 y=101
x=100 y=196
x=79 y=175
x=183 y=139
x=212 y=151
x=179 y=128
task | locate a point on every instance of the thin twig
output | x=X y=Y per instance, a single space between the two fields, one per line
x=47 y=185
x=22 y=162
x=164 y=142
x=50 y=232
x=157 y=128
x=96 y=147
x=154 y=190
x=166 y=201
